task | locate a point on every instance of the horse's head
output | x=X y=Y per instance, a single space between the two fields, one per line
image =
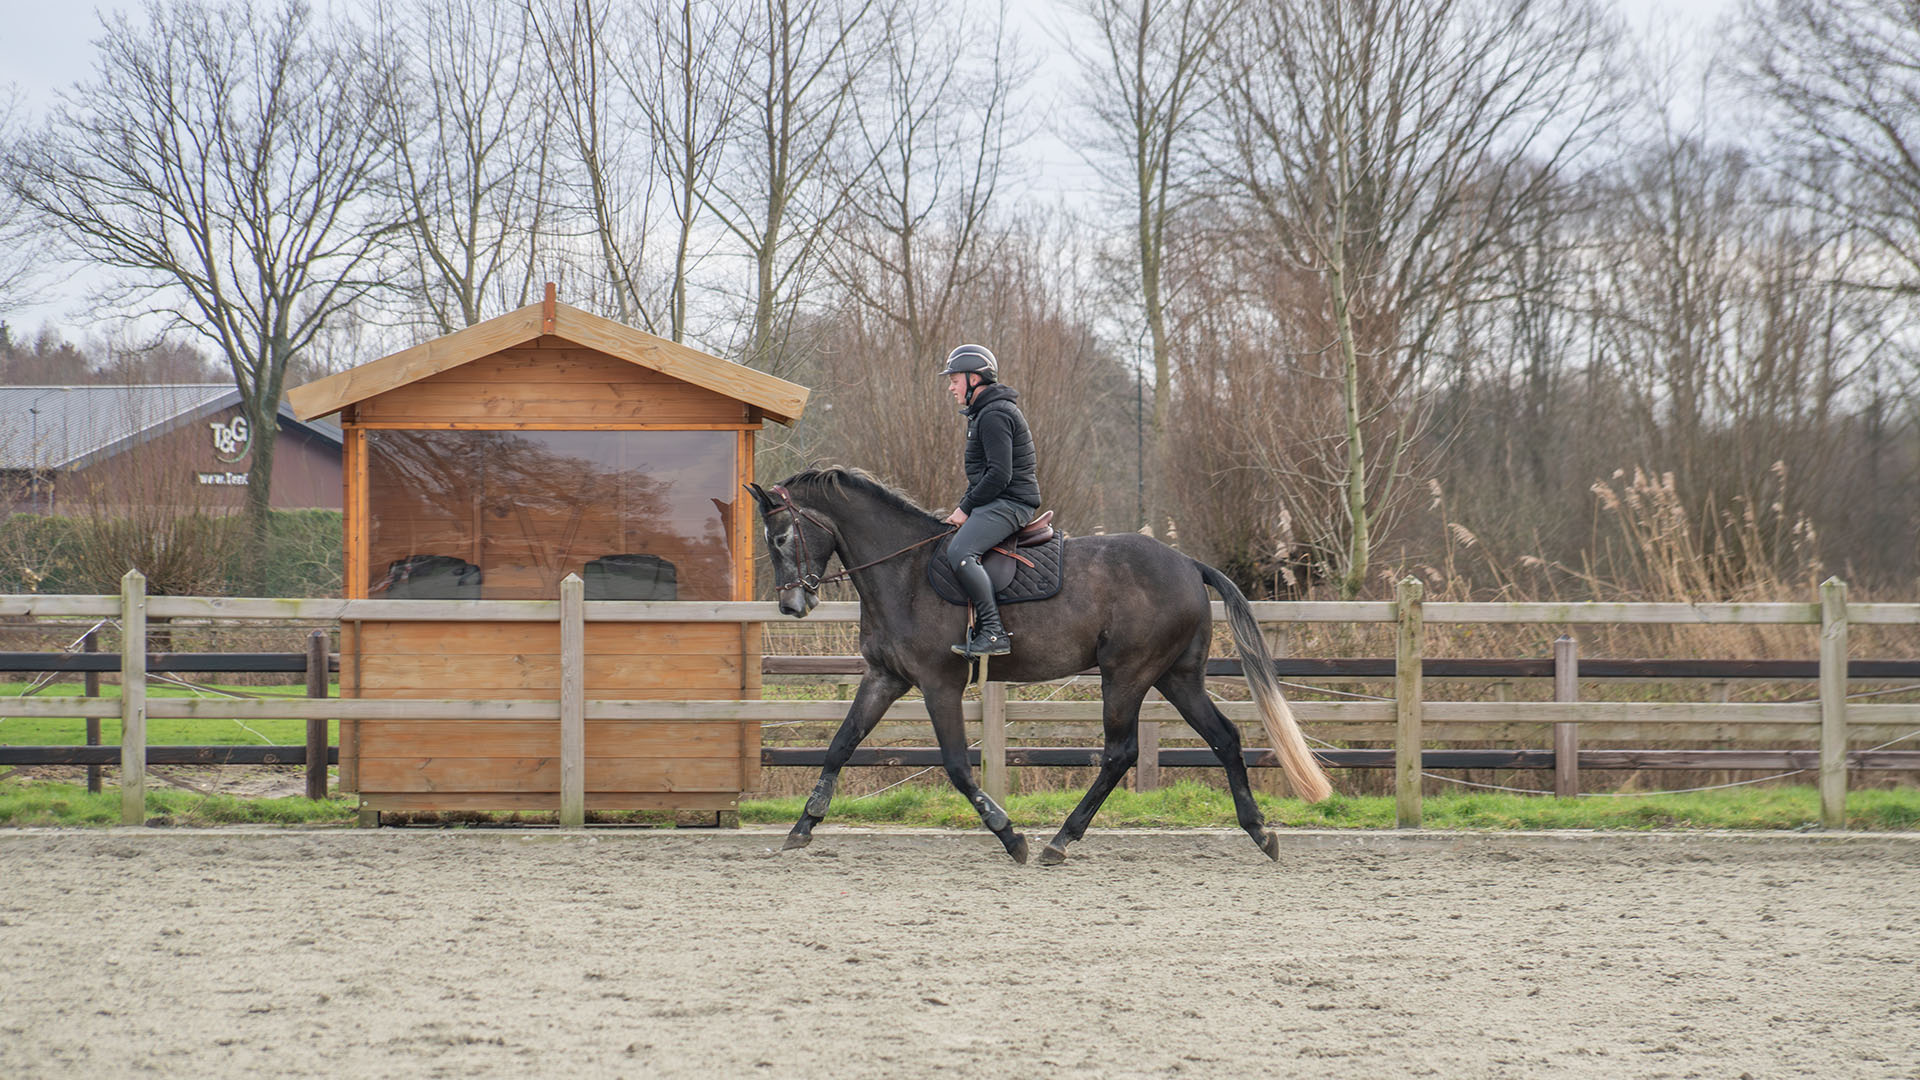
x=800 y=542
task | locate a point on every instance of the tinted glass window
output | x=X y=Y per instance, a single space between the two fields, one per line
x=504 y=515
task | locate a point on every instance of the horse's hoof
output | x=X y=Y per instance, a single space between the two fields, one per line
x=1271 y=845
x=1052 y=856
x=1018 y=849
x=797 y=840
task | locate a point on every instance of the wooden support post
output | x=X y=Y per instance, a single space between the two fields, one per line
x=993 y=737
x=91 y=644
x=1833 y=703
x=133 y=698
x=1566 y=737
x=573 y=702
x=317 y=680
x=1146 y=772
x=1408 y=655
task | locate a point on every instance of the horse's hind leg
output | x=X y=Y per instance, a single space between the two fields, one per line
x=1186 y=688
x=878 y=690
x=950 y=729
x=1120 y=715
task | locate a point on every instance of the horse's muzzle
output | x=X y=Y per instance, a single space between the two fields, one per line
x=797 y=602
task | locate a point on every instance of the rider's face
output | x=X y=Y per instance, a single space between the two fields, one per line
x=957 y=386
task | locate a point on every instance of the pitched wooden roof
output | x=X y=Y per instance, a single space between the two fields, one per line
x=777 y=399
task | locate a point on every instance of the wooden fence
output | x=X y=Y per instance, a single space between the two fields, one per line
x=1830 y=722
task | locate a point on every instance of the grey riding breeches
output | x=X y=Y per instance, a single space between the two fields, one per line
x=986 y=526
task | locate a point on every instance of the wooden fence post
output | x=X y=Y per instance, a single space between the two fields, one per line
x=1833 y=703
x=133 y=698
x=91 y=644
x=316 y=726
x=1408 y=655
x=1146 y=770
x=1566 y=737
x=573 y=702
x=993 y=738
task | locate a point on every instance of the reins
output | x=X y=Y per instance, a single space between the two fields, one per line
x=812 y=582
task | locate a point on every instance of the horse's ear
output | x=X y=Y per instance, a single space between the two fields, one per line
x=759 y=495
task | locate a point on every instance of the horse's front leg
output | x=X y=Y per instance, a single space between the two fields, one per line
x=950 y=729
x=878 y=690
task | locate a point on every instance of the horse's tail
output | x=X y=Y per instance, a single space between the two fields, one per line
x=1309 y=780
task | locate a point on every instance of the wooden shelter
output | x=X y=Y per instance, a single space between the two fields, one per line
x=488 y=465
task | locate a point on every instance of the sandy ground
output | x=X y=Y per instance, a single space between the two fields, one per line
x=417 y=953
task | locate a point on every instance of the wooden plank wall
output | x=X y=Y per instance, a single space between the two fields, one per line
x=555 y=382
x=454 y=759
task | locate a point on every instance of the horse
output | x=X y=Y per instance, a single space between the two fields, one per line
x=1128 y=604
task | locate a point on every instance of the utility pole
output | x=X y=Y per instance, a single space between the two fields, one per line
x=1139 y=448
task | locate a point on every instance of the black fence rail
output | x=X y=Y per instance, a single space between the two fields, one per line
x=316 y=663
x=80 y=663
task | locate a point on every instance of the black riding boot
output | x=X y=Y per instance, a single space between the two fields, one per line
x=989 y=637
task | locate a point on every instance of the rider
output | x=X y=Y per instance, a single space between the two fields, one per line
x=1003 y=491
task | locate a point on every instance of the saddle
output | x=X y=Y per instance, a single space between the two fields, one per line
x=1025 y=566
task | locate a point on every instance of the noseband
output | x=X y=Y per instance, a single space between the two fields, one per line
x=812 y=582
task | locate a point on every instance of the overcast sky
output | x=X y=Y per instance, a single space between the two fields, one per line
x=48 y=45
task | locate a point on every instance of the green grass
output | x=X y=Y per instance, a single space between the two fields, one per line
x=1182 y=805
x=69 y=804
x=1190 y=805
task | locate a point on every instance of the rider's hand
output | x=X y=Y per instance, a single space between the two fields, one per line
x=958 y=517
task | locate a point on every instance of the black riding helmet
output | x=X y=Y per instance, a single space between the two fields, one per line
x=975 y=359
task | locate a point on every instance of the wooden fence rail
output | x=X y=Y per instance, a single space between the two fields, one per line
x=1830 y=722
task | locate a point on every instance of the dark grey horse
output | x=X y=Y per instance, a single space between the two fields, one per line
x=1130 y=605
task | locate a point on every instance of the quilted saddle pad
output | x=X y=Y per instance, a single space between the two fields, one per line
x=1013 y=581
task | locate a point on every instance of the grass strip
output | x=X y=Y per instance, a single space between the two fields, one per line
x=1192 y=805
x=25 y=804
x=1181 y=805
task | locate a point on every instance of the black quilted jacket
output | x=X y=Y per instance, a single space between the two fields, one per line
x=1001 y=462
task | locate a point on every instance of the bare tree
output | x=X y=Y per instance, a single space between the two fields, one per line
x=1843 y=76
x=1720 y=321
x=1385 y=147
x=613 y=186
x=782 y=188
x=24 y=250
x=221 y=160
x=46 y=360
x=936 y=124
x=1842 y=80
x=468 y=116
x=688 y=61
x=1144 y=80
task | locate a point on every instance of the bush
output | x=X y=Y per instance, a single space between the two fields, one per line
x=303 y=556
x=186 y=554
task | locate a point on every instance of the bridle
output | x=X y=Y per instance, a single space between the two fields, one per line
x=812 y=582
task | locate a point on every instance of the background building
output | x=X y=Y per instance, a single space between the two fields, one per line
x=69 y=449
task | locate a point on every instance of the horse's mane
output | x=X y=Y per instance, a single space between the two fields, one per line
x=838 y=479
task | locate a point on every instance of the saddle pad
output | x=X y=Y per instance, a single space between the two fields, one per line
x=1013 y=581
